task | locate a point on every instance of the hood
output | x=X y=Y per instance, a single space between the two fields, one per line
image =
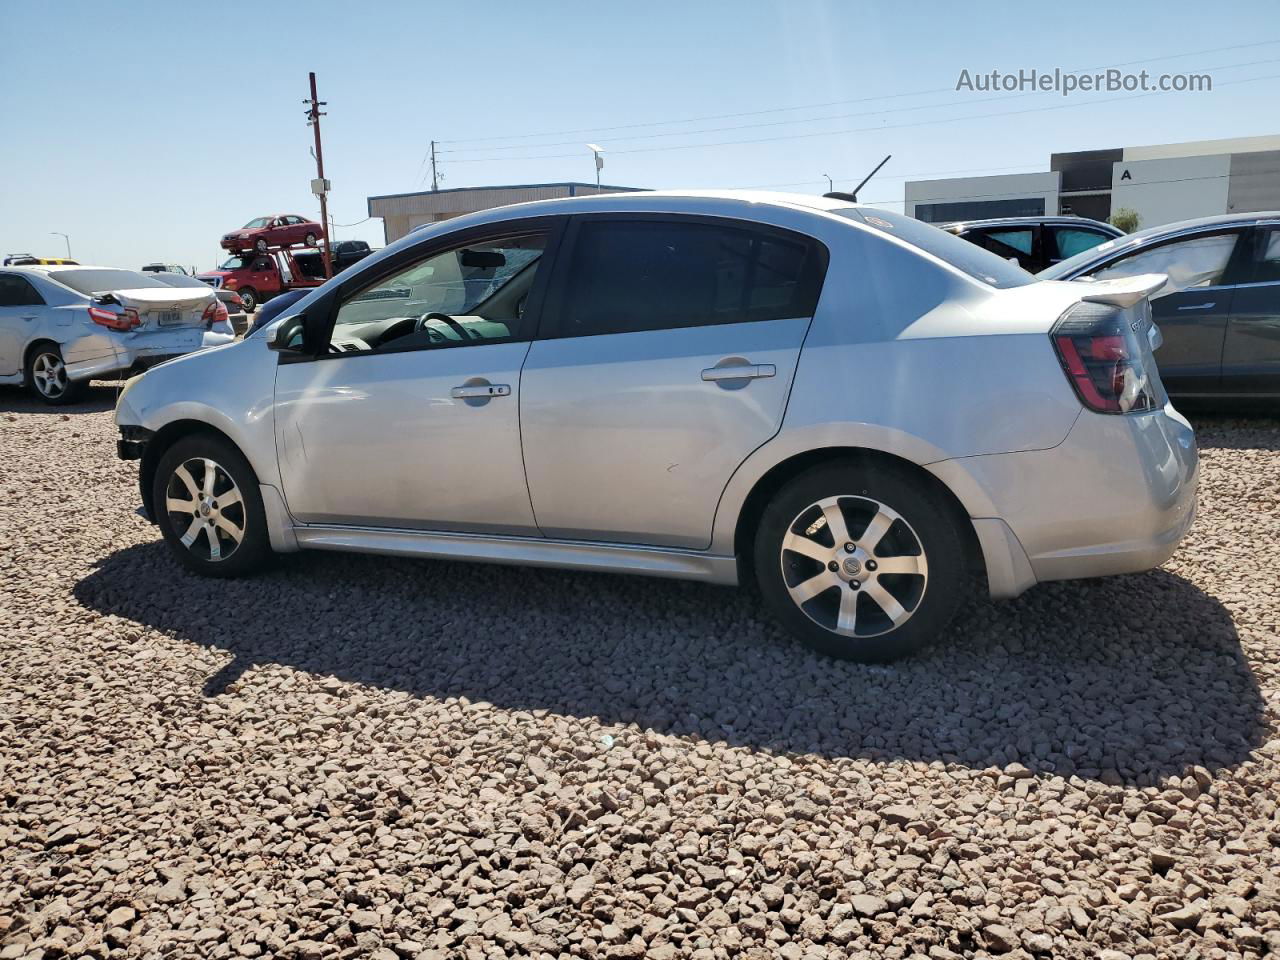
x=214 y=274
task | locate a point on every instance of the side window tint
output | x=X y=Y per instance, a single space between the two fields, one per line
x=1195 y=262
x=632 y=275
x=1019 y=240
x=471 y=294
x=1266 y=268
x=987 y=240
x=1072 y=240
x=18 y=292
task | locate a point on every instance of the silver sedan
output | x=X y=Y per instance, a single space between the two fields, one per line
x=862 y=414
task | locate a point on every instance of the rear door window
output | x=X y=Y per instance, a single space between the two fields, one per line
x=1072 y=240
x=655 y=273
x=1266 y=258
x=16 y=291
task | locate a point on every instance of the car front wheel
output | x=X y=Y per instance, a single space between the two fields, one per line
x=248 y=298
x=205 y=499
x=47 y=376
x=260 y=245
x=860 y=561
x=311 y=239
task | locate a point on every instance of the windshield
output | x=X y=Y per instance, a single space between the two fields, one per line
x=99 y=280
x=257 y=222
x=966 y=257
x=236 y=263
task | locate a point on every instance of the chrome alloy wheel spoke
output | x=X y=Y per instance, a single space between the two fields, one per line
x=854 y=563
x=198 y=507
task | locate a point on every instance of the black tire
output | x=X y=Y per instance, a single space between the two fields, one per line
x=253 y=550
x=920 y=522
x=248 y=297
x=46 y=376
x=260 y=245
x=311 y=239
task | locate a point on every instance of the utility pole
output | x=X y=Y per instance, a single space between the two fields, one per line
x=314 y=114
x=435 y=181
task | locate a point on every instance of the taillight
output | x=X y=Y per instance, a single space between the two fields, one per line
x=214 y=313
x=1107 y=360
x=127 y=319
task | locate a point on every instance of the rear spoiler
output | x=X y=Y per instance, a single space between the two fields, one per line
x=1125 y=291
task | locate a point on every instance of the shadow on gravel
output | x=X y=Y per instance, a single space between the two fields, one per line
x=1126 y=679
x=99 y=397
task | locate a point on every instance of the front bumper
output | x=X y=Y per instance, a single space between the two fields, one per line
x=1116 y=496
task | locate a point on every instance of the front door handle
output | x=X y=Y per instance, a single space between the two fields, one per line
x=482 y=390
x=740 y=371
x=1199 y=306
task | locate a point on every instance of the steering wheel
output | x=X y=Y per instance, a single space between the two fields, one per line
x=459 y=329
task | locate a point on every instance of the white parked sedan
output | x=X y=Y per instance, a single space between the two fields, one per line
x=61 y=326
x=854 y=409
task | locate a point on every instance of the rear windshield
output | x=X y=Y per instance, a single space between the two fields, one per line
x=103 y=280
x=964 y=256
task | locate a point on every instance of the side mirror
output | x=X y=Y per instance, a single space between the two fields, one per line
x=289 y=335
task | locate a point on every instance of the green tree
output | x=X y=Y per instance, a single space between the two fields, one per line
x=1126 y=220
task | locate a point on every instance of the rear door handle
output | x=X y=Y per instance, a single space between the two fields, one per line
x=484 y=390
x=740 y=371
x=1199 y=306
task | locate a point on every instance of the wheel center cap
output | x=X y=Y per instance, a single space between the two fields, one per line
x=852 y=566
x=205 y=508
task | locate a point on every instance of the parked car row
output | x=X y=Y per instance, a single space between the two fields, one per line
x=61 y=326
x=850 y=407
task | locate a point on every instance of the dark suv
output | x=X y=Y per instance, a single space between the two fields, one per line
x=1034 y=242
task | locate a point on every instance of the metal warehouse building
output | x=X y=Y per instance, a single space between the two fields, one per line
x=401 y=212
x=1162 y=183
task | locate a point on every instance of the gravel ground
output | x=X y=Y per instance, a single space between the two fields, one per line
x=354 y=756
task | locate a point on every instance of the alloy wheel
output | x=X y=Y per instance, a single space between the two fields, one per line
x=50 y=375
x=862 y=584
x=206 y=509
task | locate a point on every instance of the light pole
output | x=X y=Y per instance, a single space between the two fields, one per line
x=597 y=151
x=830 y=184
x=55 y=233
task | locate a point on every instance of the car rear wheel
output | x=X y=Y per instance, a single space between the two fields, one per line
x=249 y=298
x=206 y=501
x=47 y=376
x=860 y=561
x=311 y=239
x=260 y=245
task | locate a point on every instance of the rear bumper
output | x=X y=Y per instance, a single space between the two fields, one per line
x=1116 y=496
x=138 y=353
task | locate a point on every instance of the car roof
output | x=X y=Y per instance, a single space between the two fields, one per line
x=1200 y=223
x=1063 y=219
x=700 y=201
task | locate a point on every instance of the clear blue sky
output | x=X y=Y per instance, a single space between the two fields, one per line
x=145 y=130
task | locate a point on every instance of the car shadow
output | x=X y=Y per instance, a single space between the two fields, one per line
x=98 y=397
x=1128 y=679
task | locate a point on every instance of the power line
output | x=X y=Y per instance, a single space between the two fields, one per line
x=779 y=123
x=829 y=103
x=834 y=133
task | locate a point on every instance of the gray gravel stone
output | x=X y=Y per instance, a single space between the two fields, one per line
x=356 y=756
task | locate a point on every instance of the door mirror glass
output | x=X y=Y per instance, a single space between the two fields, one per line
x=290 y=335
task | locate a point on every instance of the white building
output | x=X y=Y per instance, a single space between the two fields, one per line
x=1162 y=183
